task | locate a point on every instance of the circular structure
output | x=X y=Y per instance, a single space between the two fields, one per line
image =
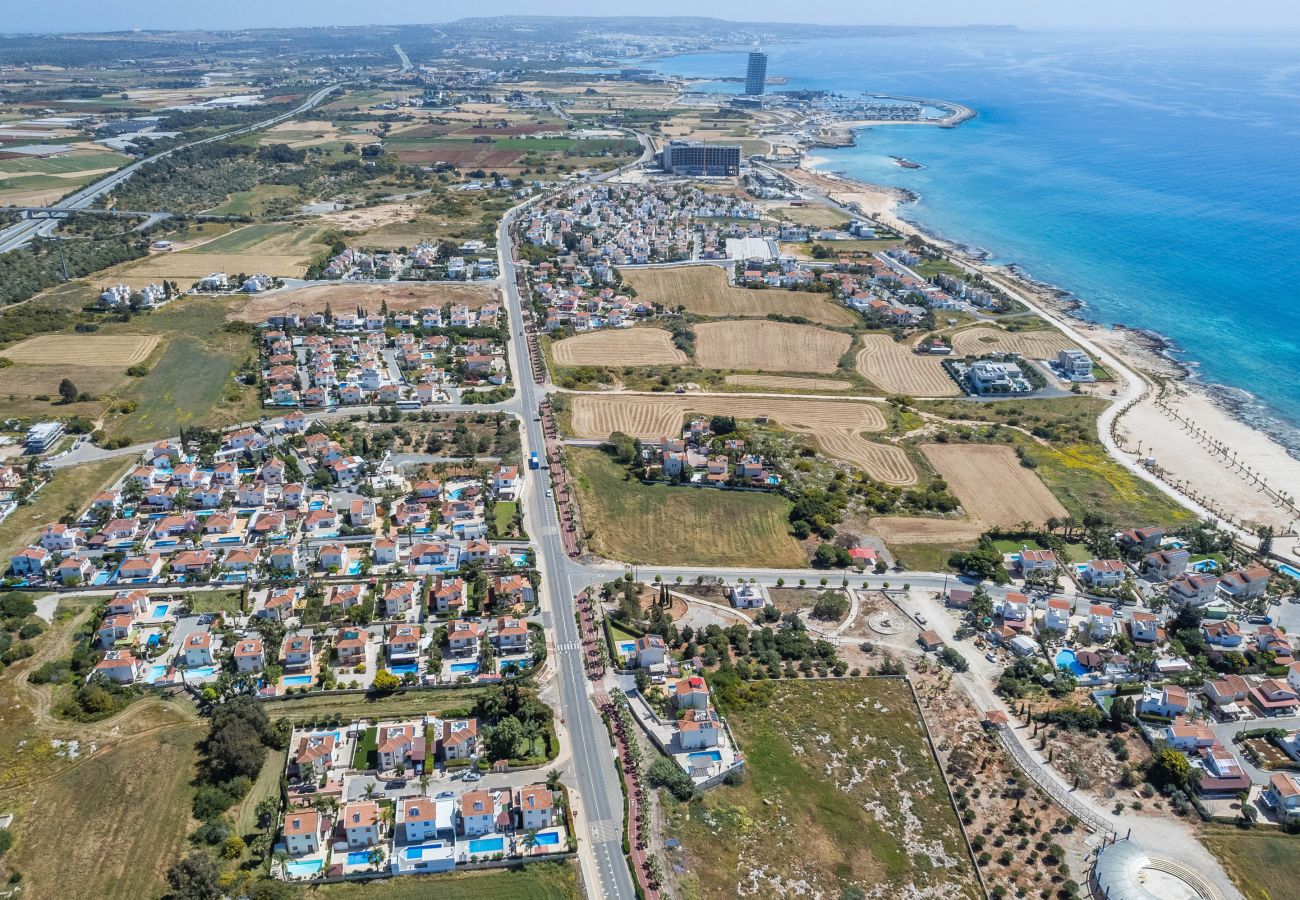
x=1123 y=869
x=883 y=624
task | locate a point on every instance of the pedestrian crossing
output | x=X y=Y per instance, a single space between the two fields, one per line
x=569 y=645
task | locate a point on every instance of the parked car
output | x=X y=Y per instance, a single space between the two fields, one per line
x=472 y=776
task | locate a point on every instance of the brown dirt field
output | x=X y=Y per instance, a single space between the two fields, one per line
x=788 y=383
x=907 y=530
x=835 y=425
x=994 y=488
x=196 y=265
x=117 y=351
x=704 y=290
x=618 y=347
x=400 y=296
x=895 y=369
x=1040 y=344
x=371 y=217
x=25 y=382
x=463 y=157
x=769 y=346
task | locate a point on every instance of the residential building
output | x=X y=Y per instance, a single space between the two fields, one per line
x=302 y=831
x=196 y=651
x=1169 y=702
x=361 y=823
x=1283 y=795
x=249 y=656
x=120 y=666
x=536 y=807
x=459 y=739
x=1104 y=573
x=698 y=729
x=1057 y=616
x=477 y=813
x=1145 y=628
x=1192 y=588
x=692 y=693
x=399 y=745
x=1245 y=584
x=650 y=651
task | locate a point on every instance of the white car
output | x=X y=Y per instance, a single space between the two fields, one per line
x=550 y=493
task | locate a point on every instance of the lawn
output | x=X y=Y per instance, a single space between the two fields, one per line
x=111 y=826
x=840 y=792
x=643 y=524
x=305 y=708
x=68 y=489
x=1261 y=863
x=539 y=881
x=367 y=746
x=504 y=513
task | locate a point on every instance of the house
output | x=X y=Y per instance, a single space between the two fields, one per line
x=1057 y=616
x=361 y=512
x=315 y=753
x=189 y=562
x=459 y=739
x=196 y=650
x=1221 y=773
x=350 y=646
x=345 y=596
x=140 y=568
x=360 y=821
x=284 y=559
x=463 y=636
x=1274 y=697
x=74 y=570
x=1245 y=584
x=1293 y=675
x=930 y=640
x=1226 y=690
x=1145 y=628
x=1168 y=703
x=692 y=693
x=747 y=596
x=448 y=596
x=248 y=655
x=242 y=559
x=403 y=643
x=1031 y=561
x=1225 y=633
x=296 y=652
x=698 y=729
x=384 y=552
x=131 y=603
x=422 y=819
x=1101 y=622
x=506 y=482
x=1015 y=609
x=120 y=666
x=113 y=629
x=477 y=813
x=302 y=831
x=30 y=561
x=1104 y=573
x=399 y=745
x=536 y=807
x=279 y=604
x=1271 y=640
x=398 y=598
x=511 y=635
x=1188 y=736
x=1283 y=795
x=1142 y=538
x=60 y=537
x=512 y=590
x=1164 y=565
x=650 y=651
x=1192 y=588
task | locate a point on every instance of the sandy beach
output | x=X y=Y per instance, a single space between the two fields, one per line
x=1199 y=447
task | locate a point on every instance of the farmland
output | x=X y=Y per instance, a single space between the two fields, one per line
x=644 y=524
x=993 y=486
x=764 y=346
x=274 y=249
x=895 y=369
x=704 y=290
x=182 y=389
x=110 y=351
x=70 y=487
x=788 y=383
x=835 y=425
x=841 y=797
x=1261 y=863
x=1042 y=344
x=618 y=347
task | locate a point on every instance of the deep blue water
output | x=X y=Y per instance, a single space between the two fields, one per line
x=1157 y=178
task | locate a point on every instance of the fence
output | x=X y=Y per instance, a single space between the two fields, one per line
x=1034 y=770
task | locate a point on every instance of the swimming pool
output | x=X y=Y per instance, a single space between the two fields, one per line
x=166 y=542
x=157 y=673
x=153 y=640
x=101 y=578
x=405 y=668
x=203 y=672
x=487 y=845
x=1066 y=659
x=706 y=756
x=455 y=494
x=298 y=680
x=159 y=611
x=1289 y=571
x=520 y=559
x=316 y=504
x=304 y=866
x=1204 y=565
x=417 y=852
x=548 y=838
x=627 y=648
x=464 y=668
x=354 y=568
x=359 y=858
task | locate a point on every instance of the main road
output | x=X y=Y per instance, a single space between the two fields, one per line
x=16 y=235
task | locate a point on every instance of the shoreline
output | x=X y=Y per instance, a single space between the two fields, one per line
x=1207 y=445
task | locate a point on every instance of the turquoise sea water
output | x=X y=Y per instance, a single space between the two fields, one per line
x=1157 y=178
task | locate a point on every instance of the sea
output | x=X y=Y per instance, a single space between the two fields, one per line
x=1153 y=177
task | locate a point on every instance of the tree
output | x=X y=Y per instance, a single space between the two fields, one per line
x=1169 y=769
x=386 y=682
x=68 y=391
x=195 y=877
x=504 y=738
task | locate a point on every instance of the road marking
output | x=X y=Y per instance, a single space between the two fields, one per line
x=605 y=830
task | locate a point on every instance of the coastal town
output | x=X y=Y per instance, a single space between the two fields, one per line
x=546 y=481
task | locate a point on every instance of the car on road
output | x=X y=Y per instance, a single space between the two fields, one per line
x=472 y=776
x=446 y=795
x=921 y=619
x=550 y=493
x=991 y=656
x=395 y=783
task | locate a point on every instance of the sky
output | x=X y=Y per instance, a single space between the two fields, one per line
x=1182 y=15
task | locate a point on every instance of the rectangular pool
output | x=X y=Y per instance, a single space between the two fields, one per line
x=298 y=680
x=159 y=611
x=359 y=858
x=299 y=867
x=706 y=756
x=627 y=648
x=157 y=673
x=405 y=668
x=354 y=568
x=418 y=851
x=488 y=845
x=464 y=668
x=1289 y=571
x=548 y=838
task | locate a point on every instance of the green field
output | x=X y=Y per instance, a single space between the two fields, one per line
x=41 y=182
x=243 y=239
x=253 y=202
x=503 y=513
x=213 y=601
x=642 y=524
x=359 y=706
x=70 y=488
x=181 y=389
x=840 y=795
x=58 y=165
x=539 y=881
x=1261 y=863
x=1086 y=480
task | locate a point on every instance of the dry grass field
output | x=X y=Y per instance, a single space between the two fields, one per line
x=400 y=296
x=769 y=347
x=901 y=530
x=117 y=351
x=1041 y=344
x=788 y=383
x=992 y=485
x=618 y=347
x=835 y=425
x=895 y=369
x=704 y=290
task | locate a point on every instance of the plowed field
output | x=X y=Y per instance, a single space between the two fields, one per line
x=769 y=346
x=895 y=369
x=618 y=347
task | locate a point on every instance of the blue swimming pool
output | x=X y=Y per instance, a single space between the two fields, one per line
x=166 y=542
x=1066 y=659
x=627 y=647
x=299 y=867
x=159 y=611
x=230 y=539
x=417 y=852
x=706 y=756
x=520 y=559
x=156 y=673
x=354 y=568
x=298 y=680
x=464 y=668
x=1290 y=571
x=359 y=858
x=203 y=672
x=455 y=495
x=153 y=640
x=487 y=845
x=548 y=838
x=404 y=668
x=316 y=504
x=1204 y=565
x=101 y=578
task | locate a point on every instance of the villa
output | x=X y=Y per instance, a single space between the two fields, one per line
x=1283 y=795
x=536 y=807
x=248 y=655
x=1057 y=617
x=699 y=729
x=478 y=813
x=120 y=666
x=1168 y=703
x=459 y=739
x=303 y=830
x=399 y=745
x=692 y=693
x=1104 y=573
x=361 y=823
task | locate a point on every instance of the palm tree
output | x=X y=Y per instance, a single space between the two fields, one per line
x=530 y=841
x=282 y=860
x=424 y=783
x=371 y=790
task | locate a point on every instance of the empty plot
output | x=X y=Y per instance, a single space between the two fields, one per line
x=994 y=488
x=84 y=350
x=1042 y=344
x=400 y=297
x=704 y=290
x=836 y=426
x=788 y=383
x=895 y=369
x=618 y=347
x=769 y=346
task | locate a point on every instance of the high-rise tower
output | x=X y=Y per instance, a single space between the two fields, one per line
x=756 y=73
